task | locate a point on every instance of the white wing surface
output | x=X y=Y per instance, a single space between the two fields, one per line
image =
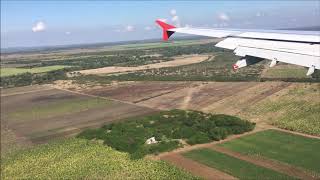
x=293 y=47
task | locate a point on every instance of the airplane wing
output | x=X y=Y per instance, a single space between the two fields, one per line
x=293 y=47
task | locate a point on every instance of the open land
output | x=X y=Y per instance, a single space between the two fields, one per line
x=124 y=92
x=89 y=160
x=178 y=61
x=292 y=106
x=15 y=71
x=40 y=115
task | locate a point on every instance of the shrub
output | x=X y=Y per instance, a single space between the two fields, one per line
x=194 y=127
x=199 y=138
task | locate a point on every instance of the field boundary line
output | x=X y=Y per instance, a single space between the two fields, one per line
x=196 y=168
x=296 y=133
x=206 y=145
x=158 y=95
x=26 y=92
x=106 y=98
x=267 y=163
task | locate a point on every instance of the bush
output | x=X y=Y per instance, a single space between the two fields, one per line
x=218 y=134
x=199 y=138
x=194 y=127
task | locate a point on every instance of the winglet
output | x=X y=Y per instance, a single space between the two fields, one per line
x=166 y=29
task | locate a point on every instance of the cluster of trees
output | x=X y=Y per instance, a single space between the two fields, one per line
x=26 y=79
x=168 y=128
x=218 y=68
x=190 y=49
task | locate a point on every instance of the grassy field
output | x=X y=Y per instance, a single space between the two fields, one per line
x=297 y=108
x=82 y=159
x=235 y=167
x=58 y=108
x=156 y=44
x=285 y=73
x=288 y=148
x=15 y=71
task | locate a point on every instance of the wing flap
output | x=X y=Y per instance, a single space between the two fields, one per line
x=287 y=57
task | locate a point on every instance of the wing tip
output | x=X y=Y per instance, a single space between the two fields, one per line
x=166 y=29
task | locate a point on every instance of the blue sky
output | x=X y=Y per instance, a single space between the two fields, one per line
x=41 y=23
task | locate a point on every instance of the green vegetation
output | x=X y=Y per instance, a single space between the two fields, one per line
x=167 y=127
x=219 y=68
x=235 y=167
x=81 y=159
x=57 y=108
x=155 y=44
x=285 y=73
x=296 y=110
x=15 y=71
x=292 y=149
x=26 y=79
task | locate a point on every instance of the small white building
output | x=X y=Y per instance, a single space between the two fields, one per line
x=151 y=140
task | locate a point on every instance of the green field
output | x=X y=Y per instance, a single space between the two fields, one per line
x=156 y=44
x=57 y=108
x=297 y=109
x=285 y=73
x=288 y=148
x=82 y=159
x=235 y=167
x=15 y=71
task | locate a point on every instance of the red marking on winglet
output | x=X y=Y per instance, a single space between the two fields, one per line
x=166 y=29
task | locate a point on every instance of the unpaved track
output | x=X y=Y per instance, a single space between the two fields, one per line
x=196 y=168
x=267 y=163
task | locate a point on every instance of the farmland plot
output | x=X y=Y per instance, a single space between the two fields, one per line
x=42 y=115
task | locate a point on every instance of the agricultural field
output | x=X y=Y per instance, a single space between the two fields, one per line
x=292 y=106
x=168 y=128
x=284 y=71
x=233 y=166
x=178 y=61
x=183 y=93
x=288 y=148
x=16 y=71
x=39 y=114
x=295 y=108
x=160 y=44
x=218 y=68
x=82 y=159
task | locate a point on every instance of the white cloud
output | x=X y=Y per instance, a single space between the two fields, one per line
x=175 y=18
x=129 y=28
x=163 y=20
x=68 y=32
x=258 y=14
x=39 y=26
x=147 y=28
x=173 y=12
x=223 y=17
